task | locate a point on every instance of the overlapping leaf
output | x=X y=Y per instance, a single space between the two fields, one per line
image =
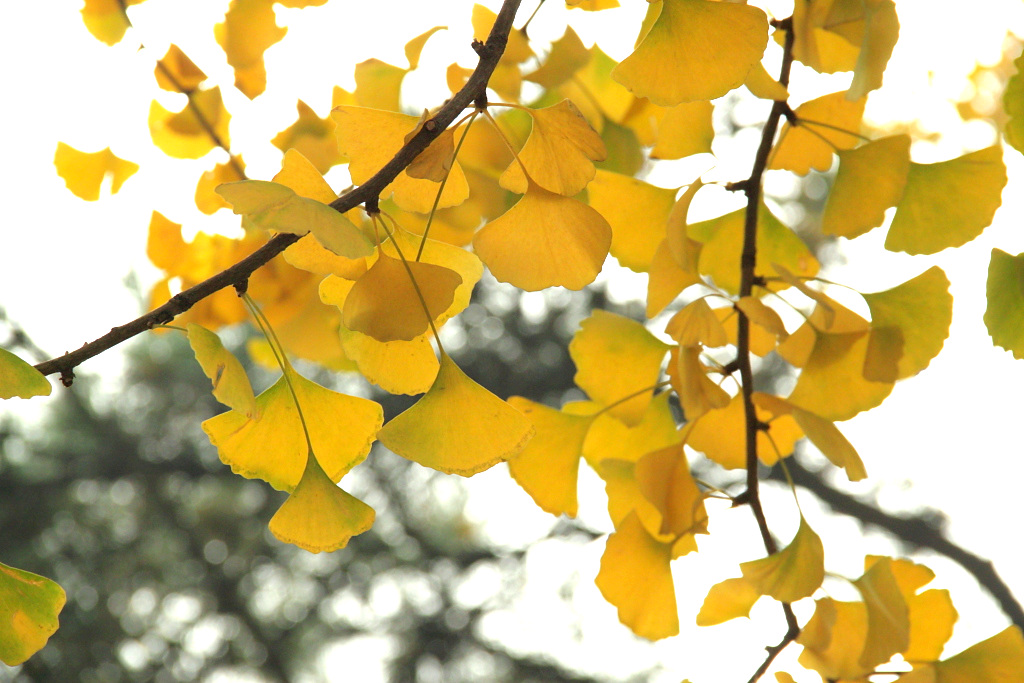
x=637 y=213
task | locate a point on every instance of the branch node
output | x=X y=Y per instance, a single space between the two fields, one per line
x=67 y=376
x=790 y=115
x=758 y=281
x=242 y=287
x=742 y=499
x=738 y=186
x=732 y=366
x=371 y=206
x=479 y=47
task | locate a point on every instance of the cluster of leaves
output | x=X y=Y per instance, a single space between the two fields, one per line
x=544 y=191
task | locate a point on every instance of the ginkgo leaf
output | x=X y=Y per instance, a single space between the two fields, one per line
x=84 y=172
x=932 y=617
x=1004 y=315
x=760 y=83
x=435 y=162
x=106 y=19
x=663 y=477
x=821 y=432
x=164 y=246
x=181 y=134
x=1013 y=105
x=311 y=136
x=545 y=240
x=695 y=50
x=414 y=48
x=596 y=93
x=302 y=176
x=559 y=153
x=762 y=341
x=387 y=302
x=721 y=436
x=29 y=605
x=684 y=250
x=18 y=378
x=566 y=56
x=397 y=367
x=458 y=426
x=618 y=362
x=888 y=616
x=248 y=29
x=949 y=203
x=207 y=199
x=318 y=515
x=794 y=572
x=921 y=309
x=684 y=130
x=272 y=445
x=727 y=600
x=870 y=180
x=636 y=577
x=999 y=659
x=371 y=137
x=666 y=280
x=825 y=125
x=696 y=325
x=230 y=383
x=697 y=392
x=761 y=315
x=722 y=240
x=834 y=638
x=591 y=5
x=881 y=31
x=379 y=85
x=177 y=73
x=610 y=439
x=547 y=468
x=637 y=213
x=272 y=206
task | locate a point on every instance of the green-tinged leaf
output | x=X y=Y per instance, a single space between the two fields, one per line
x=870 y=180
x=29 y=605
x=948 y=203
x=637 y=213
x=1013 y=105
x=794 y=572
x=881 y=31
x=1004 y=316
x=230 y=383
x=19 y=379
x=272 y=206
x=999 y=659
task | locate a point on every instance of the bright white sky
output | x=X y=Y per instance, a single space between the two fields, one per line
x=948 y=438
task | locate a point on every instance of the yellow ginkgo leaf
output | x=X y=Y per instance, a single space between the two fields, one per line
x=667 y=280
x=834 y=638
x=106 y=19
x=311 y=136
x=684 y=130
x=761 y=340
x=181 y=134
x=230 y=383
x=207 y=199
x=697 y=392
x=997 y=659
x=695 y=50
x=435 y=162
x=177 y=73
x=398 y=300
x=871 y=179
x=248 y=29
x=458 y=426
x=663 y=477
x=821 y=432
x=272 y=206
x=636 y=577
x=720 y=435
x=545 y=240
x=272 y=446
x=379 y=85
x=727 y=600
x=881 y=31
x=318 y=515
x=414 y=48
x=566 y=56
x=824 y=126
x=637 y=213
x=547 y=468
x=792 y=573
x=18 y=378
x=948 y=203
x=618 y=362
x=695 y=324
x=595 y=92
x=559 y=153
x=84 y=172
x=761 y=315
x=610 y=439
x=518 y=49
x=29 y=605
x=397 y=367
x=760 y=83
x=371 y=137
x=888 y=617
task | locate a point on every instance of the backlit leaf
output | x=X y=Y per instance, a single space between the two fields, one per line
x=230 y=383
x=720 y=435
x=181 y=135
x=667 y=280
x=567 y=56
x=547 y=468
x=106 y=19
x=379 y=85
x=248 y=29
x=663 y=477
x=457 y=427
x=696 y=325
x=636 y=577
x=697 y=392
x=610 y=439
x=949 y=203
x=999 y=659
x=207 y=199
x=617 y=358
x=888 y=616
x=825 y=125
x=272 y=446
x=318 y=515
x=177 y=73
x=760 y=83
x=727 y=600
x=84 y=172
x=794 y=572
x=881 y=31
x=834 y=638
x=18 y=378
x=1013 y=105
x=29 y=605
x=871 y=179
x=637 y=213
x=695 y=50
x=559 y=153
x=311 y=136
x=1004 y=316
x=545 y=240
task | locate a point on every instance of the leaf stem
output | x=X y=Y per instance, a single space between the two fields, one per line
x=440 y=190
x=508 y=144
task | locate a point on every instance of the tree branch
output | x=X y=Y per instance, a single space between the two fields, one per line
x=490 y=52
